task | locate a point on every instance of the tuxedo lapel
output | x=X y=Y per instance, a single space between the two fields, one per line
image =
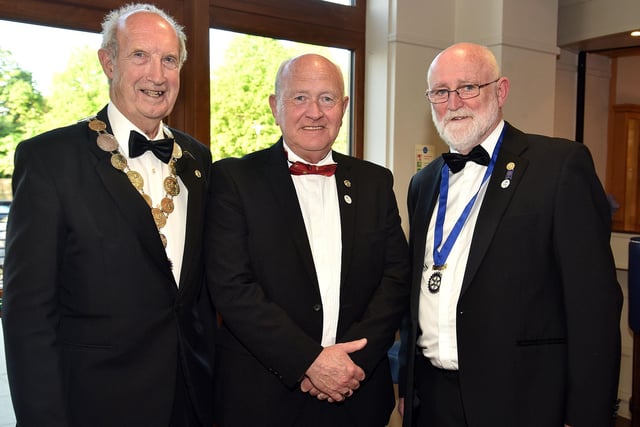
x=278 y=177
x=189 y=169
x=348 y=185
x=421 y=209
x=128 y=201
x=497 y=198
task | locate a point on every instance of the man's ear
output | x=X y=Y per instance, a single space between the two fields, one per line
x=503 y=90
x=273 y=103
x=104 y=56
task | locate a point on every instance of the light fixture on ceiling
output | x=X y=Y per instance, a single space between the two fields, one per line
x=635 y=33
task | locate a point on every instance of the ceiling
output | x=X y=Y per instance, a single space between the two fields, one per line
x=614 y=45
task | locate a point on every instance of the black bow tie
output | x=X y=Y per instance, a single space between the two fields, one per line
x=138 y=144
x=457 y=161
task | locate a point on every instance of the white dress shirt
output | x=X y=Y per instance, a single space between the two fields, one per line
x=154 y=171
x=437 y=311
x=318 y=198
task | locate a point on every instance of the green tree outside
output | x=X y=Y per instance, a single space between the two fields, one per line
x=77 y=92
x=241 y=119
x=21 y=107
x=81 y=90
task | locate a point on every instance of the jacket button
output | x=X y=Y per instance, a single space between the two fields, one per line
x=317 y=307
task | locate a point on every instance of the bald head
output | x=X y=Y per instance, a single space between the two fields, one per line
x=320 y=65
x=470 y=57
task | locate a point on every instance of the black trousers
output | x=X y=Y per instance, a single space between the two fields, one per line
x=183 y=413
x=438 y=391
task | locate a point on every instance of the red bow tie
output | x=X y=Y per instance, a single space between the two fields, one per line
x=299 y=168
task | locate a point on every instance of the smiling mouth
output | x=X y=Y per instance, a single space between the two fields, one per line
x=313 y=127
x=153 y=93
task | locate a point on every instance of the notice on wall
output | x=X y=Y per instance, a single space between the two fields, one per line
x=424 y=155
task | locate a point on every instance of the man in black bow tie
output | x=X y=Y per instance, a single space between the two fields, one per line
x=103 y=318
x=515 y=308
x=308 y=267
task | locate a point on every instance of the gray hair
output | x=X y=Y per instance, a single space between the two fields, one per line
x=117 y=16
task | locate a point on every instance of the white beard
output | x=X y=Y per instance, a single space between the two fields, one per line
x=471 y=131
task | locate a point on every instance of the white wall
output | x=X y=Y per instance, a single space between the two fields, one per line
x=403 y=39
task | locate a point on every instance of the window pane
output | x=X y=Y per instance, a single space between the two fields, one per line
x=49 y=77
x=44 y=51
x=243 y=70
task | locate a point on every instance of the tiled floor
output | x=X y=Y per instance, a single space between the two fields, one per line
x=7 y=419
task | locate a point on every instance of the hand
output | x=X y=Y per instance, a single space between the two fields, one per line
x=333 y=376
x=401 y=406
x=307 y=386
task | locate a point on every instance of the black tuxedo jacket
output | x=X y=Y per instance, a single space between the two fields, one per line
x=263 y=281
x=94 y=323
x=539 y=311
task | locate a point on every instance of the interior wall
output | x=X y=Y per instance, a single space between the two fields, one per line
x=397 y=117
x=522 y=35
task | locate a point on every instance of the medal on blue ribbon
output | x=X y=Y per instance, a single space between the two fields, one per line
x=440 y=254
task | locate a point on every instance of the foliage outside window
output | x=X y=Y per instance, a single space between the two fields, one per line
x=75 y=93
x=20 y=109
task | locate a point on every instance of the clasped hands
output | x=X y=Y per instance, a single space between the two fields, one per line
x=333 y=376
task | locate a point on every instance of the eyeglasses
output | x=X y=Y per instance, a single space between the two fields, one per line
x=438 y=96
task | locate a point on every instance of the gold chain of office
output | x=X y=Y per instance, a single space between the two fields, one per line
x=107 y=142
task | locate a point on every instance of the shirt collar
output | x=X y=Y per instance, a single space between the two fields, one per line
x=293 y=157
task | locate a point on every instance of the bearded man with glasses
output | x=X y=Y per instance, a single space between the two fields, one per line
x=515 y=307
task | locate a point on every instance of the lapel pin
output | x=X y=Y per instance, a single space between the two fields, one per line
x=506 y=182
